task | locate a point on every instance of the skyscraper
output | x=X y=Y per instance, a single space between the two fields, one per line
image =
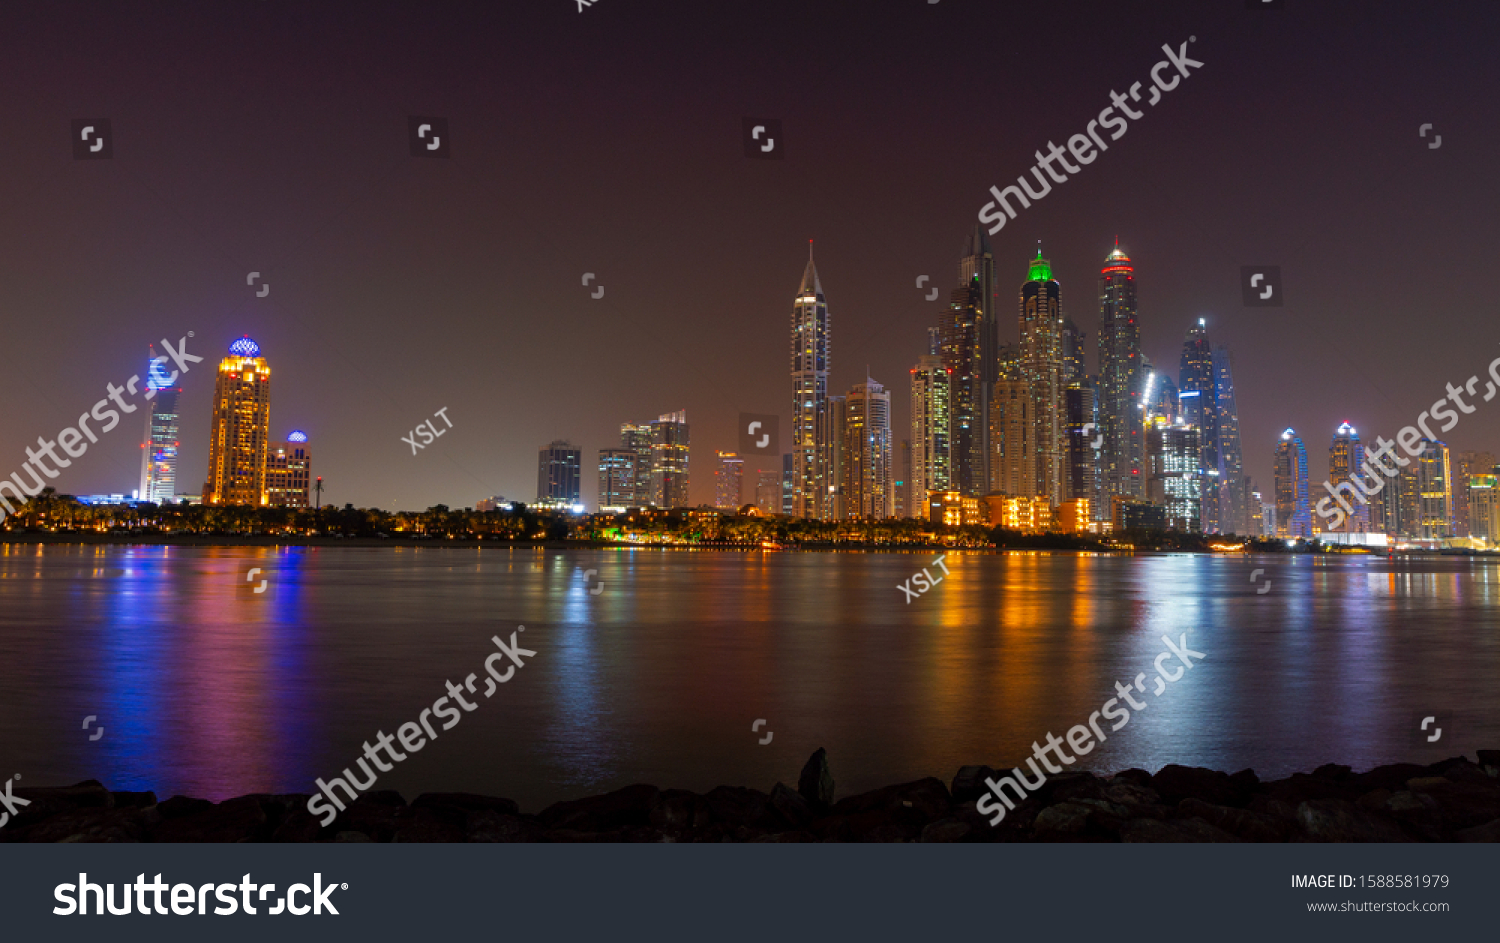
x=289 y=473
x=969 y=341
x=1120 y=379
x=669 y=460
x=1484 y=508
x=729 y=482
x=1466 y=464
x=1080 y=459
x=1012 y=460
x=239 y=438
x=810 y=366
x=1074 y=366
x=834 y=508
x=901 y=494
x=1435 y=491
x=768 y=492
x=1174 y=459
x=1344 y=457
x=159 y=456
x=636 y=438
x=559 y=474
x=1293 y=517
x=1233 y=486
x=1198 y=393
x=931 y=452
x=1041 y=368
x=788 y=484
x=617 y=491
x=868 y=488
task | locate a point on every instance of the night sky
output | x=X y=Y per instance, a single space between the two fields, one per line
x=271 y=136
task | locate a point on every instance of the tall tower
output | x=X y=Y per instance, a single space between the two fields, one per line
x=1234 y=488
x=636 y=438
x=931 y=453
x=159 y=454
x=1041 y=368
x=1293 y=517
x=868 y=490
x=969 y=344
x=238 y=442
x=559 y=474
x=617 y=491
x=669 y=460
x=729 y=485
x=1197 y=392
x=1120 y=379
x=1344 y=458
x=810 y=365
x=1434 y=490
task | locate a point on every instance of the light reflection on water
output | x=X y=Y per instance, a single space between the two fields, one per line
x=206 y=689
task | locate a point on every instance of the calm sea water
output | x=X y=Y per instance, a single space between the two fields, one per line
x=207 y=689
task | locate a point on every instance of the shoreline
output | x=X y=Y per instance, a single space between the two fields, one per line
x=1454 y=800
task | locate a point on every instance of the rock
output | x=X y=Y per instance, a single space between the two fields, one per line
x=737 y=807
x=233 y=820
x=679 y=810
x=926 y=798
x=1138 y=831
x=816 y=782
x=89 y=794
x=1136 y=777
x=1300 y=788
x=1374 y=800
x=133 y=800
x=487 y=825
x=968 y=783
x=426 y=826
x=1243 y=824
x=1066 y=818
x=457 y=806
x=792 y=806
x=628 y=807
x=1391 y=777
x=1338 y=820
x=87 y=825
x=179 y=806
x=1175 y=783
x=300 y=825
x=946 y=830
x=351 y=836
x=1461 y=805
x=1488 y=832
x=1071 y=784
x=1489 y=758
x=1427 y=782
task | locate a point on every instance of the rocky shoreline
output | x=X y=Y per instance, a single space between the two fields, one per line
x=1453 y=800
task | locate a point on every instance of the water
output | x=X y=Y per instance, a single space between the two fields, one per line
x=204 y=688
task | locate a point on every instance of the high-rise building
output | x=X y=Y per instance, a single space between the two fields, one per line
x=901 y=494
x=1197 y=391
x=1233 y=486
x=1041 y=368
x=810 y=365
x=617 y=484
x=1345 y=453
x=636 y=438
x=1080 y=458
x=1175 y=476
x=1466 y=464
x=559 y=474
x=1013 y=457
x=1257 y=522
x=969 y=340
x=868 y=482
x=1484 y=508
x=788 y=484
x=1074 y=365
x=1121 y=380
x=1293 y=516
x=931 y=451
x=289 y=473
x=768 y=492
x=239 y=440
x=669 y=460
x=1434 y=490
x=729 y=482
x=159 y=454
x=838 y=428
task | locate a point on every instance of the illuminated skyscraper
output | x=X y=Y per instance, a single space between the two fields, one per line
x=1198 y=393
x=669 y=460
x=1234 y=488
x=768 y=492
x=834 y=508
x=968 y=342
x=159 y=454
x=729 y=482
x=636 y=438
x=810 y=365
x=289 y=473
x=1121 y=379
x=239 y=439
x=1344 y=457
x=559 y=474
x=868 y=482
x=1484 y=508
x=1435 y=491
x=1293 y=516
x=1012 y=459
x=1173 y=457
x=1080 y=431
x=931 y=451
x=617 y=491
x=1465 y=465
x=1041 y=367
x=901 y=494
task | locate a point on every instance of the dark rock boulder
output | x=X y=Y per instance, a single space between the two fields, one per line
x=487 y=825
x=815 y=784
x=1243 y=824
x=969 y=783
x=233 y=820
x=623 y=808
x=793 y=807
x=1176 y=783
x=1338 y=820
x=1140 y=831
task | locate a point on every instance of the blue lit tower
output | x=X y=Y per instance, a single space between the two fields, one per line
x=811 y=440
x=159 y=451
x=1198 y=393
x=1293 y=517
